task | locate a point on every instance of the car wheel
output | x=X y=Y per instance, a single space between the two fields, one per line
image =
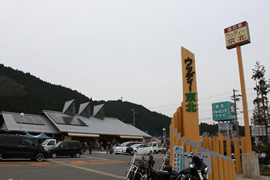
x=39 y=157
x=54 y=155
x=150 y=153
x=77 y=155
x=155 y=152
x=1 y=156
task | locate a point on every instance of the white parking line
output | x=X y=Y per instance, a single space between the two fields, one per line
x=90 y=170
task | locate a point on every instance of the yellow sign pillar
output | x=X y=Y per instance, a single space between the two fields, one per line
x=190 y=118
x=248 y=148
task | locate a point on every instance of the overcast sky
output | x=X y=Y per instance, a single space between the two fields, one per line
x=113 y=49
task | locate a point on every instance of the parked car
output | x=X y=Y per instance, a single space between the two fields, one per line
x=149 y=148
x=48 y=143
x=121 y=149
x=133 y=148
x=66 y=148
x=12 y=146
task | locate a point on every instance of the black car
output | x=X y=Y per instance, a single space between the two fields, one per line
x=13 y=146
x=66 y=148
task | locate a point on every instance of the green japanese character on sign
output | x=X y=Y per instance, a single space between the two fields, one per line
x=191 y=107
x=190 y=97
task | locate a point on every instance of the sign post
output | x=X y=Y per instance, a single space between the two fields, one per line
x=236 y=36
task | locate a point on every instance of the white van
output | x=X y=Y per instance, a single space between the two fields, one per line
x=48 y=143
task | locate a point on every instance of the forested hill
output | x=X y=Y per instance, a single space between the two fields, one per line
x=23 y=92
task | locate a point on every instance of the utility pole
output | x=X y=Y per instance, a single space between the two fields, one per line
x=133 y=113
x=235 y=98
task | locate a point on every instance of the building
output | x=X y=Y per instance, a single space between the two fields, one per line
x=67 y=125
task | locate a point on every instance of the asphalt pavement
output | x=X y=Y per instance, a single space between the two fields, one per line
x=99 y=166
x=238 y=176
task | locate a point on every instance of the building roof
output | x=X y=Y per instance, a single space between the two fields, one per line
x=83 y=125
x=54 y=122
x=28 y=122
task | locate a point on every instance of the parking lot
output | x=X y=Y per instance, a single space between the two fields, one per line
x=98 y=165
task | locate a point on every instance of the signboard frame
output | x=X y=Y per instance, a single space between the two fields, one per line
x=237 y=35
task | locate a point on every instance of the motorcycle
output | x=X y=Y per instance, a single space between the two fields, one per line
x=197 y=169
x=141 y=168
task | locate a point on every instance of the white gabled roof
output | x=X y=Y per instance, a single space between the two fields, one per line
x=93 y=125
x=11 y=123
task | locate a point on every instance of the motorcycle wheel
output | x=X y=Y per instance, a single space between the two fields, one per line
x=131 y=176
x=188 y=177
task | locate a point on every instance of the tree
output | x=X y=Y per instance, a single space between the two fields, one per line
x=260 y=112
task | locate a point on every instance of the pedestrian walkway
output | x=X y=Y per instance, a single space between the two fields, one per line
x=240 y=177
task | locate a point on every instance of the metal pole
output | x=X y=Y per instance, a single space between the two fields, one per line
x=244 y=99
x=164 y=136
x=133 y=113
x=235 y=110
x=22 y=115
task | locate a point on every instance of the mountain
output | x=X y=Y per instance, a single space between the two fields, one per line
x=23 y=92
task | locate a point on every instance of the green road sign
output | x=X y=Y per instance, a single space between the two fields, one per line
x=223 y=111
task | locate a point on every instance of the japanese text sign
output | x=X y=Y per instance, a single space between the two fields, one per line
x=190 y=81
x=237 y=35
x=223 y=111
x=178 y=163
x=189 y=124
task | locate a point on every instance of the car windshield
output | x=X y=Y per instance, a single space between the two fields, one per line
x=148 y=145
x=44 y=142
x=56 y=145
x=124 y=144
x=135 y=145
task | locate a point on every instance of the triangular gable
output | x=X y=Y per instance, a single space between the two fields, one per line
x=99 y=111
x=69 y=107
x=3 y=126
x=84 y=110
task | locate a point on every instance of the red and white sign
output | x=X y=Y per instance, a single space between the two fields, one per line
x=259 y=131
x=237 y=34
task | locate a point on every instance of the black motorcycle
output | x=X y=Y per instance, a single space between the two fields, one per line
x=141 y=168
x=197 y=170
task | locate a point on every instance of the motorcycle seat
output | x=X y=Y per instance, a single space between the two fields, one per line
x=162 y=172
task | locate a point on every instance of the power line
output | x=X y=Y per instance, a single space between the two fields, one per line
x=201 y=99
